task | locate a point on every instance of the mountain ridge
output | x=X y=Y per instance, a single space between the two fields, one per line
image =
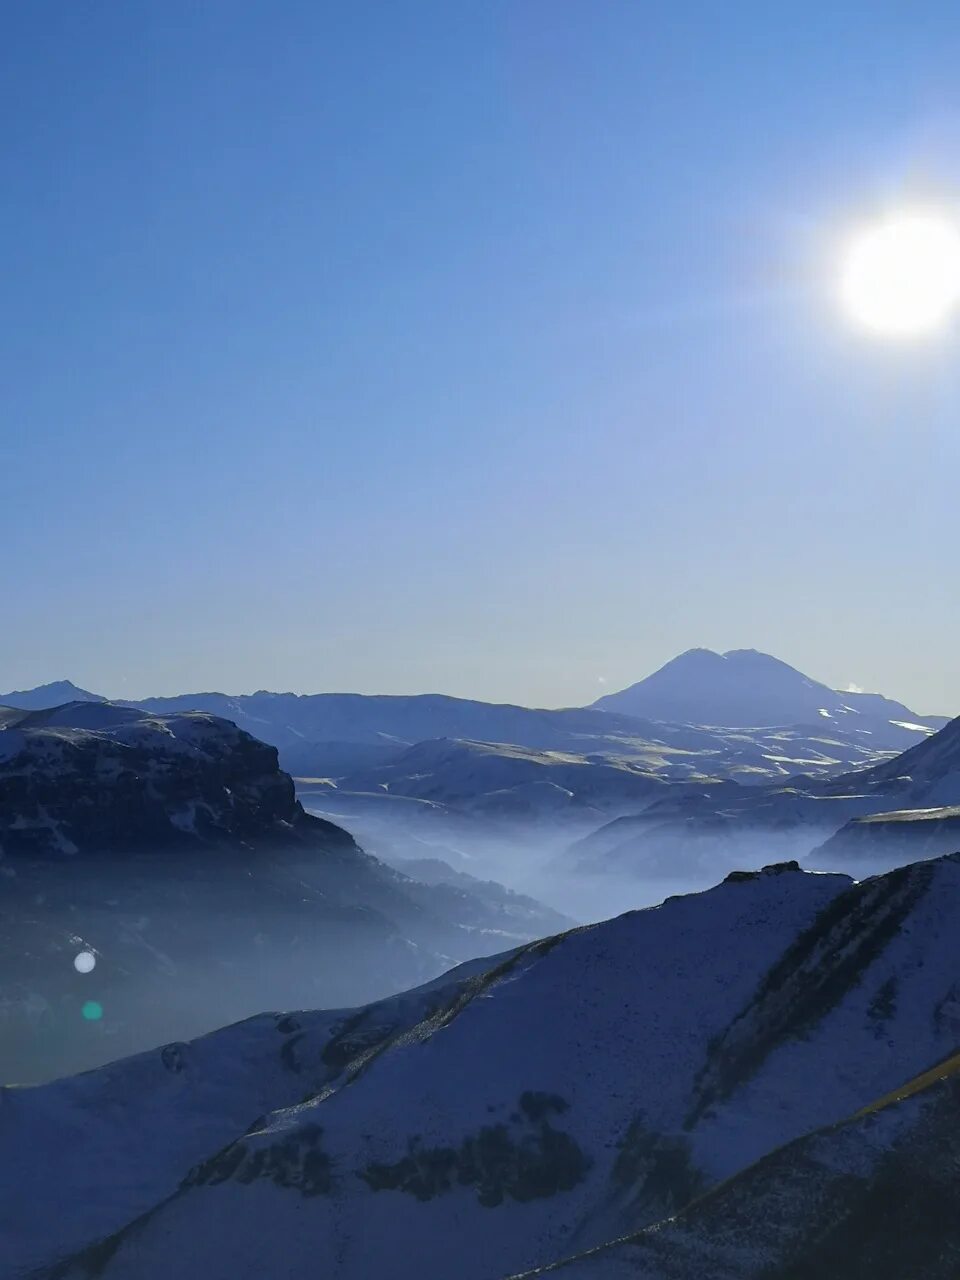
x=331 y=735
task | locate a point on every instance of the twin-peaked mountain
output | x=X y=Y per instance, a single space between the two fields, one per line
x=746 y=688
x=542 y=1106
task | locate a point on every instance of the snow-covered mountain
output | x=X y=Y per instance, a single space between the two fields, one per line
x=747 y=688
x=173 y=852
x=888 y=814
x=529 y=1109
x=925 y=774
x=901 y=810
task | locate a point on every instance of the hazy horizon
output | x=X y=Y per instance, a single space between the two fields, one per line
x=133 y=691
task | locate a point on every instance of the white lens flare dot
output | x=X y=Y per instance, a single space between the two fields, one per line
x=84 y=962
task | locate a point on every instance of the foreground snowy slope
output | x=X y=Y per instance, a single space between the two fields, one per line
x=582 y=1088
x=96 y=1149
x=874 y=1198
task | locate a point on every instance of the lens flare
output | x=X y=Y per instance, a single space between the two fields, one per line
x=900 y=277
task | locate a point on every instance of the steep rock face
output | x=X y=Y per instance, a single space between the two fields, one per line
x=90 y=777
x=580 y=1089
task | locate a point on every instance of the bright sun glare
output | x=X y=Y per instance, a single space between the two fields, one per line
x=901 y=276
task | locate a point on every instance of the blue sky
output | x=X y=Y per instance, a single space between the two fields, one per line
x=480 y=348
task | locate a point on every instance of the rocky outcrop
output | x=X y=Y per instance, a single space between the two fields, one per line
x=94 y=778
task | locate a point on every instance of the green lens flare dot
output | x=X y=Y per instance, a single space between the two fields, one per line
x=93 y=1011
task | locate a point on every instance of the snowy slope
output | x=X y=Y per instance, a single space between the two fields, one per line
x=582 y=1089
x=119 y=1139
x=925 y=775
x=874 y=1198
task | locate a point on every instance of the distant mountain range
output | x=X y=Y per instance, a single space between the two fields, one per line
x=741 y=688
x=713 y=761
x=758 y=1082
x=742 y=715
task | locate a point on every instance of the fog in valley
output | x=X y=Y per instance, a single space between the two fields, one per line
x=184 y=944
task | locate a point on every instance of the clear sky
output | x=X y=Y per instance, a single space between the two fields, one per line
x=483 y=348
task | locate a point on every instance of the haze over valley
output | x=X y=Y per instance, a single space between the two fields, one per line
x=398 y=836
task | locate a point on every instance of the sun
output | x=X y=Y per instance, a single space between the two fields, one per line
x=900 y=276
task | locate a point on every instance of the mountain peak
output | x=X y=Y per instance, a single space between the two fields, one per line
x=54 y=694
x=744 y=688
x=755 y=657
x=701 y=656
